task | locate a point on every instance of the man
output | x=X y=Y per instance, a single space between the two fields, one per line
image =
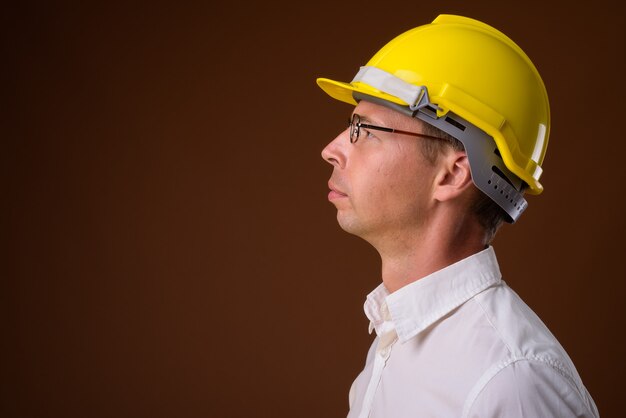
x=450 y=129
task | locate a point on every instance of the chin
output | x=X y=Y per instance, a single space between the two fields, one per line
x=351 y=225
x=346 y=223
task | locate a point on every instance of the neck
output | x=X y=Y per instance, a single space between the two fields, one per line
x=408 y=257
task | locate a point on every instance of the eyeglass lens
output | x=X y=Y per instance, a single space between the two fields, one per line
x=354 y=128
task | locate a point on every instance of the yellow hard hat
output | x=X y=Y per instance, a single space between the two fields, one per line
x=464 y=72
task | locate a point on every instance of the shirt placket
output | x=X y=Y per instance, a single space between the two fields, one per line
x=383 y=351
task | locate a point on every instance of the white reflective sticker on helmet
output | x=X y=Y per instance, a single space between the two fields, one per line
x=390 y=84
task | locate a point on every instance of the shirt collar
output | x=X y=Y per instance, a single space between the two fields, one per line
x=376 y=309
x=418 y=305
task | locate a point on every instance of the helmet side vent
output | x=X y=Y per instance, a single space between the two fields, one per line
x=427 y=110
x=455 y=123
x=501 y=174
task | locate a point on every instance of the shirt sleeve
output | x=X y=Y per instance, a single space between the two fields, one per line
x=525 y=389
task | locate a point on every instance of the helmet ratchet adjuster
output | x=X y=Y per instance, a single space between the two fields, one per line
x=489 y=173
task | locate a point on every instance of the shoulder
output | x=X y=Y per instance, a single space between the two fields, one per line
x=529 y=387
x=518 y=327
x=536 y=377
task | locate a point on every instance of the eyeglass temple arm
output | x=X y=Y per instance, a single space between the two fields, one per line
x=385 y=129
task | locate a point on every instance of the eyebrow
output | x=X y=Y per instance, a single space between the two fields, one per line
x=366 y=120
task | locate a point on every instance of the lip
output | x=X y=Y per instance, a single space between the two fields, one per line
x=335 y=193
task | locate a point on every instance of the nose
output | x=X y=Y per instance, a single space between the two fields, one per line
x=335 y=153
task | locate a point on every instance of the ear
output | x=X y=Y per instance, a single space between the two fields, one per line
x=453 y=177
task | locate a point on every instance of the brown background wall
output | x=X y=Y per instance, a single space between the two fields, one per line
x=169 y=250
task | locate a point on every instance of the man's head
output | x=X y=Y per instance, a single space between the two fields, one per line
x=475 y=88
x=387 y=184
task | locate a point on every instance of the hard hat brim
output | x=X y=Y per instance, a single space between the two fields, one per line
x=337 y=90
x=341 y=91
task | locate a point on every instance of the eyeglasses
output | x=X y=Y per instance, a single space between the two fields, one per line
x=355 y=125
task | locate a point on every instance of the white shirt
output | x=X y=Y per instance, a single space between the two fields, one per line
x=461 y=343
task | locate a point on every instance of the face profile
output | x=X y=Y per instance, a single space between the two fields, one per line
x=380 y=182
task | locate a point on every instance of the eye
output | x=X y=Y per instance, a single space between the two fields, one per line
x=368 y=134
